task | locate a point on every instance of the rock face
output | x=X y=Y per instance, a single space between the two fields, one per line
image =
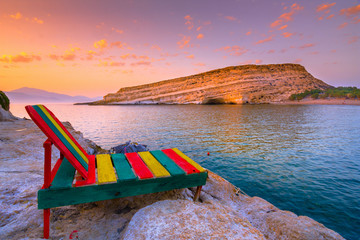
x=231 y=85
x=222 y=212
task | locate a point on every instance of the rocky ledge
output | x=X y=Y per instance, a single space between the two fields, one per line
x=222 y=212
x=231 y=85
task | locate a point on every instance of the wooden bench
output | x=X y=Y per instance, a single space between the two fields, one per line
x=81 y=178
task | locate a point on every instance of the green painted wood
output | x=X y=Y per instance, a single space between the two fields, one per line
x=64 y=176
x=123 y=168
x=50 y=198
x=168 y=163
x=61 y=137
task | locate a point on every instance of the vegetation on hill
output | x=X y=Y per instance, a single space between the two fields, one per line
x=339 y=92
x=4 y=101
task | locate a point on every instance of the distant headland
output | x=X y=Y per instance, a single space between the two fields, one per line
x=245 y=84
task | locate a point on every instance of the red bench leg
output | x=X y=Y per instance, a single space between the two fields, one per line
x=197 y=193
x=46 y=223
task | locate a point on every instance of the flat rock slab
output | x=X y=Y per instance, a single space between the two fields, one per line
x=184 y=219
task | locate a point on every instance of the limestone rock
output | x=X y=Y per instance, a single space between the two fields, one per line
x=6 y=115
x=235 y=85
x=184 y=219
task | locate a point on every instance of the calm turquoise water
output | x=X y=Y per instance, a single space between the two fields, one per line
x=305 y=159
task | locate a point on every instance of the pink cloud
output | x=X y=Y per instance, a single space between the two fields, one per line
x=156 y=47
x=307 y=45
x=271 y=51
x=190 y=56
x=330 y=16
x=141 y=63
x=341 y=26
x=19 y=58
x=298 y=60
x=287 y=34
x=189 y=22
x=265 y=40
x=283 y=27
x=200 y=36
x=184 y=42
x=39 y=21
x=200 y=64
x=353 y=39
x=288 y=16
x=350 y=11
x=324 y=6
x=117 y=30
x=231 y=18
x=248 y=33
x=198 y=28
x=258 y=61
x=234 y=50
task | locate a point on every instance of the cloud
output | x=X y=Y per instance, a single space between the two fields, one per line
x=117 y=44
x=134 y=56
x=16 y=16
x=117 y=30
x=198 y=28
x=288 y=16
x=111 y=64
x=19 y=58
x=200 y=64
x=265 y=40
x=258 y=61
x=324 y=6
x=308 y=45
x=184 y=42
x=200 y=36
x=283 y=27
x=141 y=63
x=230 y=18
x=101 y=44
x=156 y=47
x=234 y=50
x=248 y=33
x=298 y=60
x=69 y=56
x=330 y=16
x=39 y=21
x=190 y=56
x=353 y=39
x=350 y=11
x=271 y=51
x=343 y=25
x=287 y=34
x=189 y=22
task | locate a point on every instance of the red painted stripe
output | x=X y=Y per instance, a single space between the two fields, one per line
x=139 y=166
x=56 y=168
x=91 y=174
x=55 y=140
x=67 y=132
x=185 y=165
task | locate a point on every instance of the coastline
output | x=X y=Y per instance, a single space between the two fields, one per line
x=330 y=101
x=221 y=205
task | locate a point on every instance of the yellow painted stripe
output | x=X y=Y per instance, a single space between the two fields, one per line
x=189 y=160
x=63 y=133
x=105 y=169
x=156 y=168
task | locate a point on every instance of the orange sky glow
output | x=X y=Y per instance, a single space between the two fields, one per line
x=92 y=48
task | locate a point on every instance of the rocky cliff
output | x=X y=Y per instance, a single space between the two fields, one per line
x=231 y=85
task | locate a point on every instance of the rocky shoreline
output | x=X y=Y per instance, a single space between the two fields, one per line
x=223 y=212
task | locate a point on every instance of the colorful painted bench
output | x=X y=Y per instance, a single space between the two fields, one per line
x=81 y=178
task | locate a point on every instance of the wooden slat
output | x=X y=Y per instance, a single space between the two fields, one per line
x=189 y=160
x=55 y=140
x=187 y=167
x=123 y=168
x=139 y=166
x=105 y=169
x=60 y=136
x=48 y=198
x=169 y=164
x=64 y=176
x=156 y=168
x=61 y=130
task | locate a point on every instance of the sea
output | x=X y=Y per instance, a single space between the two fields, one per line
x=301 y=158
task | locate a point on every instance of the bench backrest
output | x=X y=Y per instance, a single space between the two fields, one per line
x=60 y=137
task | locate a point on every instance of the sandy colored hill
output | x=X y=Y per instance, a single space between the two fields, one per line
x=231 y=85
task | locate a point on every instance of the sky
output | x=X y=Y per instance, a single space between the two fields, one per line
x=92 y=48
